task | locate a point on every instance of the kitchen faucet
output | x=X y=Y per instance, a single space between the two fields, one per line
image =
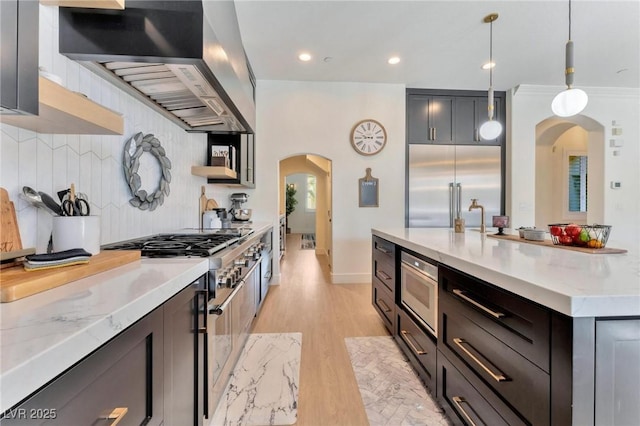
x=475 y=205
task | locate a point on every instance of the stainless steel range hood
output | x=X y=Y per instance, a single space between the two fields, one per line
x=183 y=58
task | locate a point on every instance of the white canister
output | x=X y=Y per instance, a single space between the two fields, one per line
x=71 y=232
x=210 y=219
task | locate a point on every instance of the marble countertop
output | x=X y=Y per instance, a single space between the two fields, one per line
x=44 y=334
x=573 y=283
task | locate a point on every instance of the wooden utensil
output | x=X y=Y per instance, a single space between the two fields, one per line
x=211 y=204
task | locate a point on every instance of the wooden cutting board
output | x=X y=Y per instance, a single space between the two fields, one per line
x=9 y=231
x=549 y=243
x=16 y=283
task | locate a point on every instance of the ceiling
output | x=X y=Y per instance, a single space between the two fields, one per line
x=442 y=44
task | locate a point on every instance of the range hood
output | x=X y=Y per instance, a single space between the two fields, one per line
x=183 y=58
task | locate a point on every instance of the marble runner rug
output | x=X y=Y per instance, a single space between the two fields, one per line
x=308 y=241
x=391 y=391
x=263 y=389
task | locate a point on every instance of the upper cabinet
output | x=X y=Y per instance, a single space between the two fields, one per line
x=33 y=102
x=430 y=119
x=445 y=117
x=62 y=111
x=93 y=4
x=19 y=57
x=471 y=113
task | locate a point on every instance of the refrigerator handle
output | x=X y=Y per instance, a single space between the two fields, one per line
x=451 y=203
x=459 y=191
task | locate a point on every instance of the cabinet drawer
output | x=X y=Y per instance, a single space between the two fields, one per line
x=468 y=403
x=520 y=324
x=383 y=302
x=126 y=373
x=415 y=341
x=383 y=249
x=384 y=272
x=522 y=384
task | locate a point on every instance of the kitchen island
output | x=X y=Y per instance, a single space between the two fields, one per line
x=559 y=326
x=43 y=335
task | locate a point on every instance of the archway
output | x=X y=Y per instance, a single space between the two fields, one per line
x=320 y=167
x=556 y=140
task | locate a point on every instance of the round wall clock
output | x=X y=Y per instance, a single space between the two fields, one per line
x=368 y=137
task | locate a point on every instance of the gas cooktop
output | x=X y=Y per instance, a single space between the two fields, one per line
x=196 y=244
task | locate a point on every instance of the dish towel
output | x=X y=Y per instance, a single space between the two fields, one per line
x=36 y=262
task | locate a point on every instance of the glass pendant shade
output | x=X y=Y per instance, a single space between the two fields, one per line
x=490 y=130
x=569 y=102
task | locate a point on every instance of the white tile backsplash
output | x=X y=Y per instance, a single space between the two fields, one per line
x=94 y=162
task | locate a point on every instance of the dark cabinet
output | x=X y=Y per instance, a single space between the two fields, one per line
x=444 y=117
x=470 y=113
x=19 y=57
x=419 y=346
x=500 y=346
x=184 y=347
x=121 y=382
x=383 y=277
x=430 y=119
x=239 y=148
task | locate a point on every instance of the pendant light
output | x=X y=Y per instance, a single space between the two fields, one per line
x=490 y=129
x=570 y=101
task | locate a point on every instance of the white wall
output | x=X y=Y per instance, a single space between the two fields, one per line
x=296 y=117
x=50 y=163
x=530 y=105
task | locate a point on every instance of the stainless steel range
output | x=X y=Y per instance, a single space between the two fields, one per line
x=234 y=284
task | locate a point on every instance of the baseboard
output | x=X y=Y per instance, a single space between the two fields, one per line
x=351 y=278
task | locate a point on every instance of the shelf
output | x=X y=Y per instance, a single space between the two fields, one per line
x=213 y=172
x=93 y=4
x=65 y=112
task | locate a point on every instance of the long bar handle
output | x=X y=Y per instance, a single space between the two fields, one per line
x=382 y=249
x=459 y=192
x=435 y=133
x=385 y=307
x=408 y=337
x=219 y=309
x=383 y=274
x=117 y=414
x=451 y=203
x=498 y=377
x=459 y=401
x=494 y=314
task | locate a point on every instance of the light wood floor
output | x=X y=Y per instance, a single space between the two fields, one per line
x=325 y=313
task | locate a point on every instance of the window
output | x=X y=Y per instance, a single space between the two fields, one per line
x=577 y=183
x=310 y=203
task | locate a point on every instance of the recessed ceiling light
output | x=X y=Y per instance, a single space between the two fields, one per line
x=488 y=65
x=393 y=60
x=304 y=57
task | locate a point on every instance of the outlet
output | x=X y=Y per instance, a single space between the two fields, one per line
x=616 y=185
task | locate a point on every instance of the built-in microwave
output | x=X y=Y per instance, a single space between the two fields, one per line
x=419 y=290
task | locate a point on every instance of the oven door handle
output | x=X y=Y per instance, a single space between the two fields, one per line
x=416 y=271
x=219 y=309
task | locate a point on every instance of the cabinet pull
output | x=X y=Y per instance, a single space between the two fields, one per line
x=430 y=133
x=477 y=135
x=382 y=249
x=459 y=401
x=408 y=337
x=435 y=133
x=383 y=275
x=116 y=415
x=494 y=314
x=384 y=305
x=498 y=377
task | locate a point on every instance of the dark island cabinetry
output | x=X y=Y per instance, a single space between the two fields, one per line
x=384 y=281
x=501 y=344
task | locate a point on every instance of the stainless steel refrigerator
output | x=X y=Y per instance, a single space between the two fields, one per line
x=442 y=180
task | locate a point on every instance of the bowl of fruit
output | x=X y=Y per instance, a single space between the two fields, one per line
x=571 y=234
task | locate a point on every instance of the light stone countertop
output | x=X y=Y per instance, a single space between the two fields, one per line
x=44 y=334
x=570 y=282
